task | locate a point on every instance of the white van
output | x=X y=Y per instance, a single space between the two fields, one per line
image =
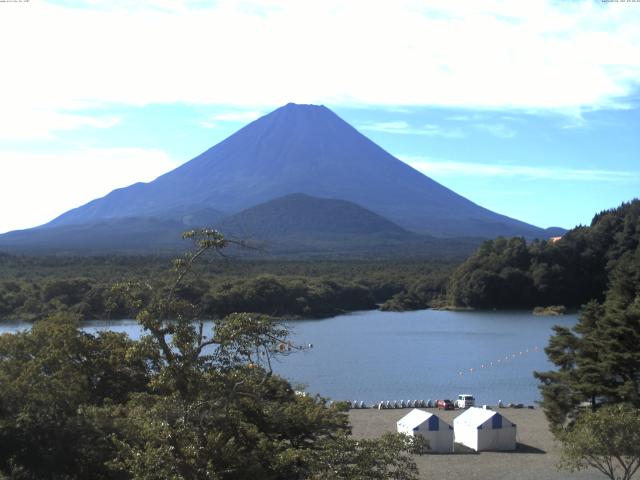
x=465 y=401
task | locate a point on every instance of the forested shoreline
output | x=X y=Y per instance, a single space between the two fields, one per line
x=571 y=271
x=32 y=288
x=503 y=273
x=76 y=405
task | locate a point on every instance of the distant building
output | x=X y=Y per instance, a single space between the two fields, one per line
x=481 y=429
x=438 y=433
x=554 y=239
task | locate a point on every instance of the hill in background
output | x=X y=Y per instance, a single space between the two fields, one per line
x=511 y=273
x=246 y=182
x=293 y=225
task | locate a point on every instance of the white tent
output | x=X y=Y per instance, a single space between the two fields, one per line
x=481 y=429
x=439 y=434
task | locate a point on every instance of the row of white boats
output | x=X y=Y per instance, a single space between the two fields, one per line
x=388 y=404
x=385 y=404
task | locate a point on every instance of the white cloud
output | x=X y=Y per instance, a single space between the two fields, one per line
x=573 y=120
x=543 y=54
x=36 y=124
x=236 y=116
x=35 y=188
x=496 y=129
x=247 y=116
x=400 y=127
x=465 y=118
x=403 y=128
x=437 y=131
x=444 y=168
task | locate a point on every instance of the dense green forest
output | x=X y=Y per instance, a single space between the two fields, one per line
x=511 y=273
x=502 y=273
x=34 y=287
x=598 y=359
x=592 y=397
x=183 y=402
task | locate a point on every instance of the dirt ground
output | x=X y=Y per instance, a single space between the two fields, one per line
x=534 y=459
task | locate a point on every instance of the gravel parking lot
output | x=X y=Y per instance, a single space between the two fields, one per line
x=535 y=458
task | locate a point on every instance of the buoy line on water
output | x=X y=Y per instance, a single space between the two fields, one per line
x=500 y=361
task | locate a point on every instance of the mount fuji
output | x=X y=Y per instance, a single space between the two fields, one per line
x=304 y=150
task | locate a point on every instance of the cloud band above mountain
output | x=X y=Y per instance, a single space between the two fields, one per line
x=430 y=166
x=495 y=54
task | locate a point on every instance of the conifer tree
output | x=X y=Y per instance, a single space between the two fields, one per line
x=598 y=360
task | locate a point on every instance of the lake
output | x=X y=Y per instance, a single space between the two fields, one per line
x=427 y=354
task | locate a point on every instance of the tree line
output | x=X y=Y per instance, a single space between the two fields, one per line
x=592 y=398
x=512 y=273
x=32 y=288
x=183 y=402
x=502 y=273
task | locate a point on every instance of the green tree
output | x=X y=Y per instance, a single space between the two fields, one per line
x=513 y=273
x=218 y=411
x=607 y=440
x=386 y=458
x=180 y=403
x=48 y=376
x=598 y=360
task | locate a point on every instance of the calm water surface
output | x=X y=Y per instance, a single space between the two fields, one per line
x=427 y=354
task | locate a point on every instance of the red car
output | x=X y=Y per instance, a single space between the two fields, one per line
x=444 y=405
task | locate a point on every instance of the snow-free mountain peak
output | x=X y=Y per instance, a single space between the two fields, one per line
x=303 y=149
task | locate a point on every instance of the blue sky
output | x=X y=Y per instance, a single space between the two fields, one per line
x=531 y=109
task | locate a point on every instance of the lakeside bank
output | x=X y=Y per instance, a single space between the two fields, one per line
x=535 y=458
x=371 y=356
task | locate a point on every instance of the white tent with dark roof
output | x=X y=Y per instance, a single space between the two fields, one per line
x=481 y=429
x=438 y=433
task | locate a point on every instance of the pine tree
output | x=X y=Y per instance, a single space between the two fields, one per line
x=598 y=360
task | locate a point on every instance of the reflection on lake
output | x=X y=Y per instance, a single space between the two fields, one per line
x=375 y=355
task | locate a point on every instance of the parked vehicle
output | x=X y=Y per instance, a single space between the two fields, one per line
x=444 y=404
x=465 y=401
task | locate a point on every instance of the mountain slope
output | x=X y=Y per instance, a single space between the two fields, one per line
x=130 y=234
x=302 y=216
x=127 y=234
x=291 y=226
x=308 y=149
x=301 y=225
